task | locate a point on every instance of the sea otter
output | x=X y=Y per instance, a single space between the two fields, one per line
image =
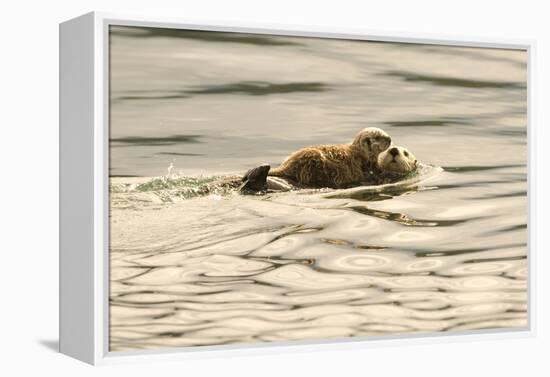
x=334 y=165
x=391 y=165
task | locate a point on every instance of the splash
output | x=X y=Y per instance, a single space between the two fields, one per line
x=174 y=188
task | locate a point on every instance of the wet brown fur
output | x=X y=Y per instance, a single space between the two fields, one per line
x=334 y=166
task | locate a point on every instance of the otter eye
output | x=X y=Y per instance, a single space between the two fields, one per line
x=406 y=154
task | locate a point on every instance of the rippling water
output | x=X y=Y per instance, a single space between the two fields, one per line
x=446 y=253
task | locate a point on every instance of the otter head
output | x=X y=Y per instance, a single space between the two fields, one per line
x=371 y=141
x=397 y=160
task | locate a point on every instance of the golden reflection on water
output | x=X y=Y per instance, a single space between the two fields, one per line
x=251 y=276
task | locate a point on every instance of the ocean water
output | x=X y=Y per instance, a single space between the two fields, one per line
x=447 y=252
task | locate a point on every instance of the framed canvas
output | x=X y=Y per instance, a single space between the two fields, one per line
x=240 y=189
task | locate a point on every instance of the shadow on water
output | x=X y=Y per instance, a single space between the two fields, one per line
x=479 y=184
x=259 y=88
x=514 y=194
x=434 y=253
x=451 y=81
x=178 y=154
x=155 y=141
x=403 y=219
x=206 y=36
x=507 y=229
x=514 y=133
x=427 y=123
x=253 y=88
x=467 y=169
x=474 y=53
x=368 y=195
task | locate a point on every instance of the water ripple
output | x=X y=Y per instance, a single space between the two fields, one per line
x=444 y=249
x=454 y=81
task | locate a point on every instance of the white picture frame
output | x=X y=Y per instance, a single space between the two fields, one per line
x=84 y=157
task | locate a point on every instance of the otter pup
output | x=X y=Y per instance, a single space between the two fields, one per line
x=334 y=166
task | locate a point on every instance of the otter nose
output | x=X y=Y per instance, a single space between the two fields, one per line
x=394 y=151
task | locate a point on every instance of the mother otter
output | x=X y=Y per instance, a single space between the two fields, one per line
x=391 y=165
x=334 y=166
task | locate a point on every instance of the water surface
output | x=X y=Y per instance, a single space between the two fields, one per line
x=447 y=254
